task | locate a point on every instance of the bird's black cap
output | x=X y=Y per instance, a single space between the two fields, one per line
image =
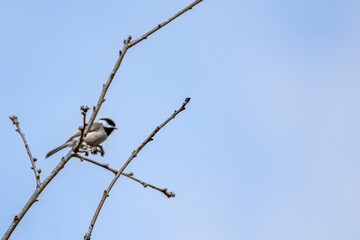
x=109 y=121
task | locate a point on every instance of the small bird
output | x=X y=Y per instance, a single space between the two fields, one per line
x=97 y=134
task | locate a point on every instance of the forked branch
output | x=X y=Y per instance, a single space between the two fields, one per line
x=38 y=190
x=132 y=156
x=37 y=172
x=127 y=44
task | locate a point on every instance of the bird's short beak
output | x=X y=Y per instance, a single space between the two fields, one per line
x=115 y=128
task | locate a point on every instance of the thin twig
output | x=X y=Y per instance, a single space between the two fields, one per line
x=82 y=129
x=132 y=156
x=146 y=35
x=129 y=175
x=106 y=166
x=37 y=172
x=145 y=185
x=127 y=45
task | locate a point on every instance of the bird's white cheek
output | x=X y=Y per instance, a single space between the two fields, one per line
x=95 y=138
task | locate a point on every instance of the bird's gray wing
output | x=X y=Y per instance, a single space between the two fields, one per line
x=96 y=126
x=93 y=128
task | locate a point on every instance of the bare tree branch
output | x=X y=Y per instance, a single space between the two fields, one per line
x=143 y=37
x=106 y=166
x=127 y=45
x=37 y=172
x=129 y=175
x=42 y=186
x=132 y=156
x=145 y=185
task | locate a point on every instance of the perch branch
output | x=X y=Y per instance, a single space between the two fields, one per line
x=37 y=172
x=129 y=175
x=127 y=45
x=132 y=156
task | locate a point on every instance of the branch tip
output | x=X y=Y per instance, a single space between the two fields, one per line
x=13 y=118
x=15 y=122
x=84 y=109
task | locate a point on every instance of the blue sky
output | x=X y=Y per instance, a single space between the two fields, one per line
x=267 y=148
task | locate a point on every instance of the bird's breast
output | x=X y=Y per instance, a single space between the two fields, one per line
x=95 y=138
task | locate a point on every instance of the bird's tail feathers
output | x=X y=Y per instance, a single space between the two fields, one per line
x=56 y=150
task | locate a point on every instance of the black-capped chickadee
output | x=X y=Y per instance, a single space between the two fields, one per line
x=97 y=134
